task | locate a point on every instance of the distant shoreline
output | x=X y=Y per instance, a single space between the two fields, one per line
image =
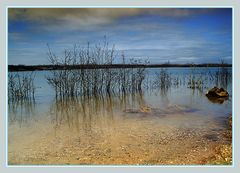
x=14 y=68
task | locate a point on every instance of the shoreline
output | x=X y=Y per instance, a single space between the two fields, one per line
x=15 y=68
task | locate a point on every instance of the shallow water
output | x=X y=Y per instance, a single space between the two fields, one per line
x=181 y=126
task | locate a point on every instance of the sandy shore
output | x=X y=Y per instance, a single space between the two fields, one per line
x=145 y=143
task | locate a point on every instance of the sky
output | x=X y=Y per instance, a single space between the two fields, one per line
x=175 y=35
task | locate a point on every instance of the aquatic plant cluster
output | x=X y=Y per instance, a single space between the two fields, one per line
x=162 y=79
x=198 y=79
x=94 y=81
x=21 y=87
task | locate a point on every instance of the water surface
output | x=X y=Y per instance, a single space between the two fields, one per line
x=180 y=125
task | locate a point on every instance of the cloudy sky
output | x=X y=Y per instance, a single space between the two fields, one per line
x=179 y=35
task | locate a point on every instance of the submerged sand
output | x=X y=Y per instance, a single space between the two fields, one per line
x=138 y=139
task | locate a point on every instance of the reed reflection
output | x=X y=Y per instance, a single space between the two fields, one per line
x=21 y=111
x=91 y=113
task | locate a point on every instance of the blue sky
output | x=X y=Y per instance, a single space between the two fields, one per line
x=178 y=35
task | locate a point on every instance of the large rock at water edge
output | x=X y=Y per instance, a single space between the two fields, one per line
x=217 y=92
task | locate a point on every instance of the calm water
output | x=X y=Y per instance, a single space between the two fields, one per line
x=181 y=126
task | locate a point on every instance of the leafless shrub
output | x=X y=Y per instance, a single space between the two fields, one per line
x=94 y=81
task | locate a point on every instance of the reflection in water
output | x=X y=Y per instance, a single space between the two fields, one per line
x=21 y=111
x=219 y=100
x=83 y=113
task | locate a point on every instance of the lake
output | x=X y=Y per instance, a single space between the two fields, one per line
x=173 y=124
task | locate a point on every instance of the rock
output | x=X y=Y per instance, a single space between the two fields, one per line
x=145 y=109
x=142 y=109
x=217 y=92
